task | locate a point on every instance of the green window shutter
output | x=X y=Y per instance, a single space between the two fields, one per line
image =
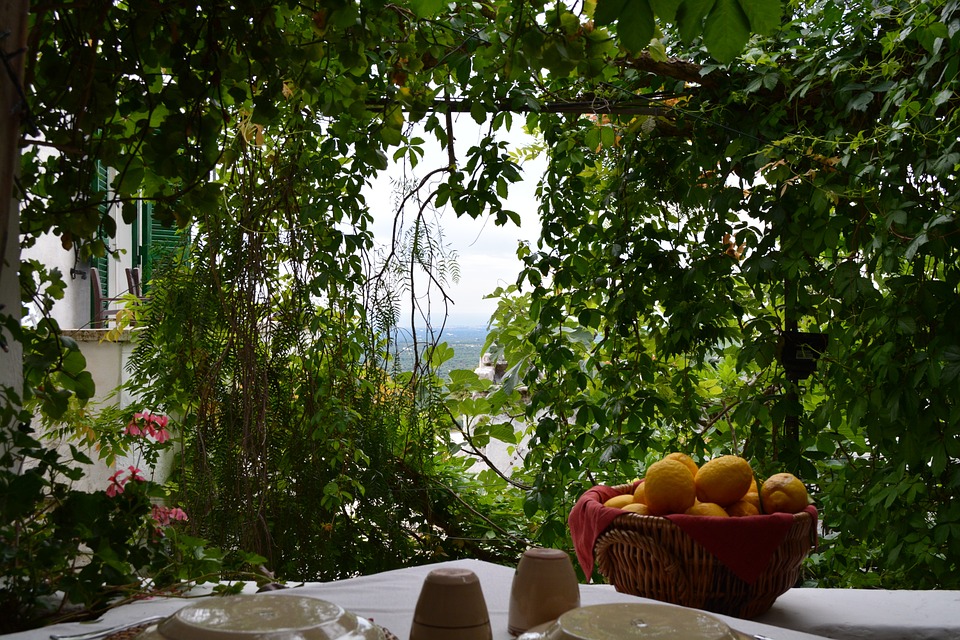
x=101 y=263
x=136 y=255
x=157 y=241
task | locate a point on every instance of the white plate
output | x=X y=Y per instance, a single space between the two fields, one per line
x=633 y=621
x=263 y=617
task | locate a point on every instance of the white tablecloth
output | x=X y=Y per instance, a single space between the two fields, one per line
x=869 y=614
x=389 y=599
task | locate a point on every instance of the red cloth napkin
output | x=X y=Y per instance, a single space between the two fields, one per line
x=745 y=545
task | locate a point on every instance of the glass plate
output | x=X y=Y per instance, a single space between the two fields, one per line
x=263 y=617
x=633 y=621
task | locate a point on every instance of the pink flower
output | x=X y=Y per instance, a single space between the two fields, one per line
x=147 y=423
x=163 y=516
x=116 y=484
x=117 y=480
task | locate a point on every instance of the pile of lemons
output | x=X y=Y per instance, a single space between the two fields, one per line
x=724 y=486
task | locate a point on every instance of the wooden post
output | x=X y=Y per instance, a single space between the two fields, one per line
x=13 y=43
x=790 y=435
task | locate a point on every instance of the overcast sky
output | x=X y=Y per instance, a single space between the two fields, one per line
x=486 y=253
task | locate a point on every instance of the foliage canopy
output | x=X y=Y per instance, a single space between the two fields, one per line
x=723 y=175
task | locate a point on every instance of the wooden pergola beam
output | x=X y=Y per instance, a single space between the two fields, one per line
x=592 y=105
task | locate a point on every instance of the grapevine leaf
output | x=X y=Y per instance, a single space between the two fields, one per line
x=666 y=9
x=764 y=15
x=690 y=17
x=427 y=8
x=726 y=30
x=608 y=11
x=636 y=26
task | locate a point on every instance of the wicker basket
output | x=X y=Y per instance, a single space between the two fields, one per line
x=652 y=557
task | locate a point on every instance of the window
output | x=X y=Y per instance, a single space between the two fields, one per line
x=102 y=263
x=152 y=241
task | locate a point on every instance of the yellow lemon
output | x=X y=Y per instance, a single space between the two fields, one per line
x=707 y=509
x=619 y=502
x=723 y=480
x=753 y=498
x=685 y=459
x=783 y=493
x=636 y=507
x=639 y=494
x=669 y=488
x=742 y=508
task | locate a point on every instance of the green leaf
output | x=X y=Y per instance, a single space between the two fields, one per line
x=128 y=211
x=84 y=385
x=657 y=51
x=951 y=367
x=264 y=109
x=56 y=403
x=942 y=97
x=861 y=101
x=764 y=15
x=440 y=354
x=608 y=11
x=427 y=8
x=503 y=431
x=73 y=362
x=346 y=15
x=915 y=245
x=79 y=456
x=376 y=158
x=502 y=187
x=665 y=9
x=390 y=136
x=592 y=138
x=928 y=38
x=690 y=17
x=530 y=507
x=726 y=30
x=608 y=136
x=939 y=30
x=478 y=112
x=635 y=27
x=23 y=494
x=128 y=182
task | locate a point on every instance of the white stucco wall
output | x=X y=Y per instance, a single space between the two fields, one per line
x=11 y=358
x=73 y=311
x=106 y=362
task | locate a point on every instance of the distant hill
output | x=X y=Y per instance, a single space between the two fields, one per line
x=466 y=342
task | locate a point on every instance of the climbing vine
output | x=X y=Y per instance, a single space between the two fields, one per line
x=723 y=176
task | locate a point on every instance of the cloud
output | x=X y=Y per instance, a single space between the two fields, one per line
x=486 y=253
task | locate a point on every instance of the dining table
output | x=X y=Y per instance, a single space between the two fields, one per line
x=389 y=599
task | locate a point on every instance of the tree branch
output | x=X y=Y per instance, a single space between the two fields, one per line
x=479 y=454
x=676 y=69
